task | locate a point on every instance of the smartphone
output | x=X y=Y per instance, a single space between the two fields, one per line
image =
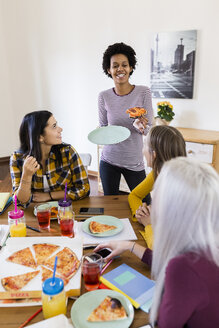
x=91 y=210
x=104 y=252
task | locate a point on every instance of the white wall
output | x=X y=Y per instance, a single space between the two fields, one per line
x=51 y=56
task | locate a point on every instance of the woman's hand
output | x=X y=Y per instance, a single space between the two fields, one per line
x=143 y=214
x=39 y=197
x=30 y=166
x=140 y=123
x=116 y=247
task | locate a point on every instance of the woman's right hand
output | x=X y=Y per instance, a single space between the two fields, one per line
x=30 y=166
x=116 y=247
x=143 y=214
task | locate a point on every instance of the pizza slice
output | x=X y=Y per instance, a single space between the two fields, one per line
x=47 y=273
x=108 y=310
x=43 y=251
x=136 y=112
x=54 y=212
x=67 y=263
x=97 y=227
x=23 y=257
x=17 y=282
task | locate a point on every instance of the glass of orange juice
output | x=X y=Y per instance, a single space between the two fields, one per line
x=17 y=224
x=53 y=297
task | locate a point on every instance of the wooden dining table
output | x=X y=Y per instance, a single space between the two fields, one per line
x=11 y=317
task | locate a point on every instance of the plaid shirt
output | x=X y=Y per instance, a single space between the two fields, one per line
x=71 y=171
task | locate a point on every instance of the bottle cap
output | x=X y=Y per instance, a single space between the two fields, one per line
x=16 y=215
x=51 y=287
x=64 y=203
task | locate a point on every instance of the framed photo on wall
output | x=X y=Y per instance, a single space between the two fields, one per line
x=173 y=64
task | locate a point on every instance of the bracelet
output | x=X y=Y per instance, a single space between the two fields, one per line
x=133 y=247
x=50 y=195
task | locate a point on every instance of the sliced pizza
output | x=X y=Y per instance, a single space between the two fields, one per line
x=17 y=282
x=43 y=251
x=23 y=257
x=67 y=263
x=97 y=227
x=54 y=212
x=47 y=273
x=108 y=310
x=136 y=112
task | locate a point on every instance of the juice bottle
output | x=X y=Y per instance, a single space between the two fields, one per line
x=53 y=298
x=16 y=221
x=64 y=208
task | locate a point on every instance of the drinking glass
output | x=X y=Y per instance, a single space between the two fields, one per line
x=43 y=216
x=66 y=220
x=91 y=268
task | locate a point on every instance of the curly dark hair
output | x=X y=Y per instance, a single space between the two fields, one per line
x=118 y=48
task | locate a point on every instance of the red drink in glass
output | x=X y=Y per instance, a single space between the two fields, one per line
x=67 y=227
x=91 y=273
x=43 y=216
x=91 y=268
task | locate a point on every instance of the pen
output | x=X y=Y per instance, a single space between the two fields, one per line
x=106 y=266
x=34 y=229
x=29 y=319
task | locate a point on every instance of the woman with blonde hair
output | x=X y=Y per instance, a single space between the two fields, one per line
x=185 y=263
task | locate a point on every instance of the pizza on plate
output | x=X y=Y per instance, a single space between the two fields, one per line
x=17 y=282
x=67 y=263
x=97 y=227
x=54 y=212
x=108 y=310
x=43 y=251
x=23 y=257
x=136 y=112
x=47 y=273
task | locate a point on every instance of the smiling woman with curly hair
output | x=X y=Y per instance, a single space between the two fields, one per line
x=119 y=62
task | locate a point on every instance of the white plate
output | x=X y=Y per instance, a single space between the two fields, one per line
x=86 y=303
x=104 y=219
x=109 y=135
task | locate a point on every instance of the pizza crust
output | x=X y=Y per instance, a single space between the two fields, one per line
x=106 y=312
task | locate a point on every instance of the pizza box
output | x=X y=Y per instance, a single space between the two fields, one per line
x=34 y=288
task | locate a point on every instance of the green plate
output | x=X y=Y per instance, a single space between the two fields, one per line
x=52 y=204
x=105 y=219
x=109 y=135
x=86 y=303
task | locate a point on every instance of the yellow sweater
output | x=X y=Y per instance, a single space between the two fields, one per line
x=135 y=200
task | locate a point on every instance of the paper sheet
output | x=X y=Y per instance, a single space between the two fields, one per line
x=126 y=234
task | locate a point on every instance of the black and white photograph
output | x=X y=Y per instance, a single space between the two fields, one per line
x=173 y=64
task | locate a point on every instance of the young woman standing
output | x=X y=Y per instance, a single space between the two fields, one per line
x=124 y=158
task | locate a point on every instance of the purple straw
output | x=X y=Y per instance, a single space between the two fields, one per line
x=15 y=203
x=65 y=192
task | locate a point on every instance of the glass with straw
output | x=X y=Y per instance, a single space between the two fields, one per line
x=16 y=221
x=66 y=216
x=53 y=296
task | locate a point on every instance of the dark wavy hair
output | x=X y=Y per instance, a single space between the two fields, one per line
x=32 y=127
x=168 y=143
x=115 y=49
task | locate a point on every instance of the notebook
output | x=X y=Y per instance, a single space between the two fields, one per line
x=134 y=285
x=5 y=199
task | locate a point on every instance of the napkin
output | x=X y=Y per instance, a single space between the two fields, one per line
x=126 y=234
x=4 y=231
x=4 y=196
x=54 y=322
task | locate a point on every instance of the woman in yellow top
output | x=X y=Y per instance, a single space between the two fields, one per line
x=162 y=143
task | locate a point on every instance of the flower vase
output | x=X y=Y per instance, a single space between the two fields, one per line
x=160 y=121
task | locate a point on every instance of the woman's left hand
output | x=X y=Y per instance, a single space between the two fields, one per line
x=140 y=123
x=41 y=197
x=143 y=214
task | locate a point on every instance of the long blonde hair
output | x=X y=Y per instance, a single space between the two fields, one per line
x=185 y=217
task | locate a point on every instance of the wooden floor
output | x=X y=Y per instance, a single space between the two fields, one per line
x=5 y=185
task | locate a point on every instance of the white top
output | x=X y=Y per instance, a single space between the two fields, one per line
x=45 y=184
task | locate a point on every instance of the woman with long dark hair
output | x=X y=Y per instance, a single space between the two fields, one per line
x=43 y=164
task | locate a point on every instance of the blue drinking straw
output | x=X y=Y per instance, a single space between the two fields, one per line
x=54 y=271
